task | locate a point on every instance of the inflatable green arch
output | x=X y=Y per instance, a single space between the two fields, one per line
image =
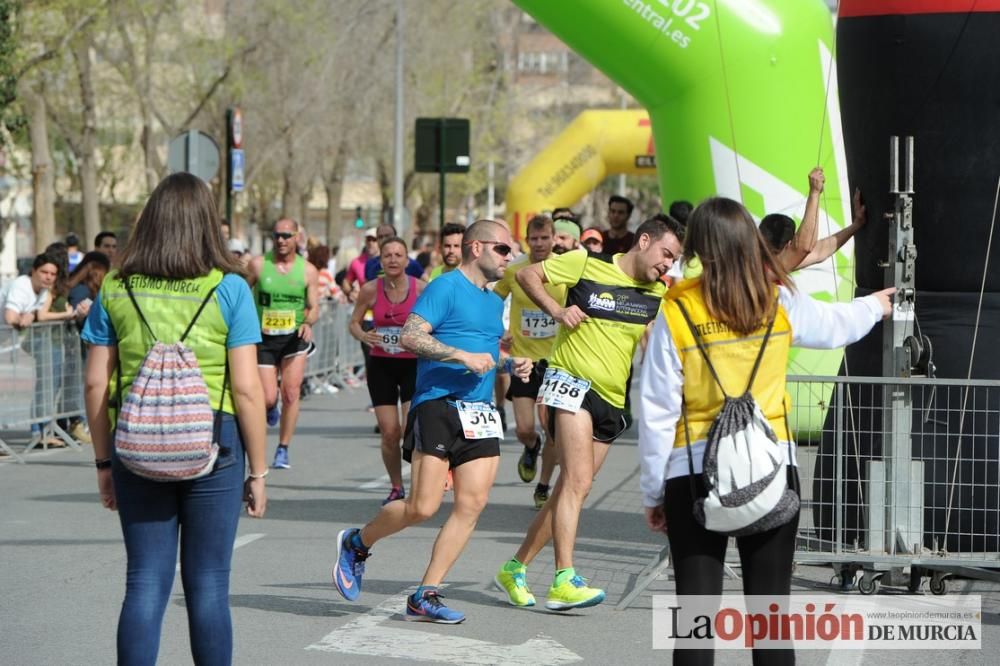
x=742 y=97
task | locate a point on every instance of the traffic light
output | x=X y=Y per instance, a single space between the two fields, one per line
x=359 y=222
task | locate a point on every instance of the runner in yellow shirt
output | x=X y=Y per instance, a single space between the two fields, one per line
x=532 y=333
x=609 y=303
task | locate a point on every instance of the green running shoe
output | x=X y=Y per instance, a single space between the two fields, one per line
x=527 y=464
x=516 y=587
x=541 y=496
x=573 y=593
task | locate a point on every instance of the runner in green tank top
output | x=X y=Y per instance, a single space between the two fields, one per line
x=285 y=290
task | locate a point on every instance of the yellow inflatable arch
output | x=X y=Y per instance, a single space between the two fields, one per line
x=595 y=145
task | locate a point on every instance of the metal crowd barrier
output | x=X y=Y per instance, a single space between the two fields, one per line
x=903 y=474
x=899 y=482
x=41 y=382
x=337 y=353
x=41 y=373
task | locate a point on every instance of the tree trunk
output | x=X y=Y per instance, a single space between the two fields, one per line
x=88 y=145
x=43 y=179
x=384 y=185
x=150 y=157
x=151 y=160
x=291 y=204
x=305 y=196
x=333 y=183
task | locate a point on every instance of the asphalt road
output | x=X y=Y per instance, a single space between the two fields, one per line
x=64 y=565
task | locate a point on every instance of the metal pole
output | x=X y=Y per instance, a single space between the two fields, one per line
x=441 y=131
x=903 y=476
x=398 y=198
x=229 y=169
x=441 y=217
x=192 y=151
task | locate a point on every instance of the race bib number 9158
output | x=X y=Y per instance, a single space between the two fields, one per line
x=562 y=390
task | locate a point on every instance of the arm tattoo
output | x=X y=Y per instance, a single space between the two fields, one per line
x=418 y=341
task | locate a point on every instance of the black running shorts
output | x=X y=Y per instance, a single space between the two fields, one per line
x=609 y=421
x=275 y=348
x=529 y=389
x=433 y=428
x=391 y=380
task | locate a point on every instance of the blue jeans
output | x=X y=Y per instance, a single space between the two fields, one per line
x=205 y=513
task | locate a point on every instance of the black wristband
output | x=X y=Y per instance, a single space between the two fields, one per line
x=103 y=464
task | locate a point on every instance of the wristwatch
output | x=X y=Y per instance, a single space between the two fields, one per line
x=102 y=464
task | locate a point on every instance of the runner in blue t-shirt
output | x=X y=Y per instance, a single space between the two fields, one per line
x=454 y=329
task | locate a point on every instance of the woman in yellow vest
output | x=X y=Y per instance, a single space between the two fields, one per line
x=741 y=288
x=174 y=259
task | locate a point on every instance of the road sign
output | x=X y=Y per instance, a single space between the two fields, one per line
x=236 y=128
x=194 y=152
x=237 y=162
x=442 y=145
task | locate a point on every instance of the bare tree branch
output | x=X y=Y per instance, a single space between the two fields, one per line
x=52 y=52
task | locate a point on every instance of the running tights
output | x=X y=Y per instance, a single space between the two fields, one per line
x=698 y=556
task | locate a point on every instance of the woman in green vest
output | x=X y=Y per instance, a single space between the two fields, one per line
x=176 y=262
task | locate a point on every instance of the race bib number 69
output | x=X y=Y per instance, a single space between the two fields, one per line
x=562 y=390
x=389 y=337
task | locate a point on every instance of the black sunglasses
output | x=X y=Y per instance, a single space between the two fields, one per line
x=500 y=248
x=283 y=235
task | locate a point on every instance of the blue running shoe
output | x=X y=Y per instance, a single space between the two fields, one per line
x=274 y=414
x=428 y=608
x=281 y=458
x=350 y=566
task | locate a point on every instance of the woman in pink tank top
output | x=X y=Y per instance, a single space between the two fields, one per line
x=391 y=371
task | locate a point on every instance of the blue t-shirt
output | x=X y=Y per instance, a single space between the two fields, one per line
x=235 y=303
x=466 y=317
x=373 y=269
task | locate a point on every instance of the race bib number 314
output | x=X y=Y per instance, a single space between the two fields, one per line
x=479 y=420
x=562 y=390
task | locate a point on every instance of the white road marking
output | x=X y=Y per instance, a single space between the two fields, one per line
x=383 y=481
x=366 y=636
x=845 y=657
x=240 y=541
x=245 y=539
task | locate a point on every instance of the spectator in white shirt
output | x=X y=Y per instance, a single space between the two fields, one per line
x=26 y=295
